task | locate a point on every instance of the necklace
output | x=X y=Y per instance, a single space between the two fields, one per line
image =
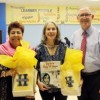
x=51 y=49
x=51 y=46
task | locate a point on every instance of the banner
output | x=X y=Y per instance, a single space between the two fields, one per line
x=41 y=14
x=32 y=14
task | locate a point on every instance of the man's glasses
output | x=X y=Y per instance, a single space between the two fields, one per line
x=82 y=15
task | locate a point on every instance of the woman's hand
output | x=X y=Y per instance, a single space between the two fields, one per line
x=81 y=83
x=42 y=86
x=11 y=72
x=30 y=98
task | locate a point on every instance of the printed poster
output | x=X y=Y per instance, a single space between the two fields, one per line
x=50 y=73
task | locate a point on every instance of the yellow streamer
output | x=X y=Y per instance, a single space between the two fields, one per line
x=23 y=57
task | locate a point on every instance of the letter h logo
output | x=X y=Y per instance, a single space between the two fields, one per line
x=22 y=80
x=69 y=81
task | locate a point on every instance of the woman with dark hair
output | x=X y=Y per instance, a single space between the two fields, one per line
x=15 y=32
x=50 y=49
x=46 y=78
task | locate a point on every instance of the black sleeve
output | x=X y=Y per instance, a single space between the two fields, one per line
x=64 y=47
x=37 y=49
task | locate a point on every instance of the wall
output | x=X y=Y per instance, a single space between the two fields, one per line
x=33 y=33
x=3 y=21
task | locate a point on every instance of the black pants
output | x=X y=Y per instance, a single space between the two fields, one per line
x=19 y=98
x=23 y=98
x=91 y=87
x=50 y=96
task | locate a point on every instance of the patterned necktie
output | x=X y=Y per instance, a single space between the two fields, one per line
x=83 y=46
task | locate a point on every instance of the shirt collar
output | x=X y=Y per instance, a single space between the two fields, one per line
x=88 y=31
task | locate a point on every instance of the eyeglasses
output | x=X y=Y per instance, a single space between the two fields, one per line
x=82 y=15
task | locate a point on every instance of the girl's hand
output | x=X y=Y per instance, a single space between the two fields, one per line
x=42 y=86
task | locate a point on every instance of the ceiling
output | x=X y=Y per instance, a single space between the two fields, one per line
x=93 y=3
